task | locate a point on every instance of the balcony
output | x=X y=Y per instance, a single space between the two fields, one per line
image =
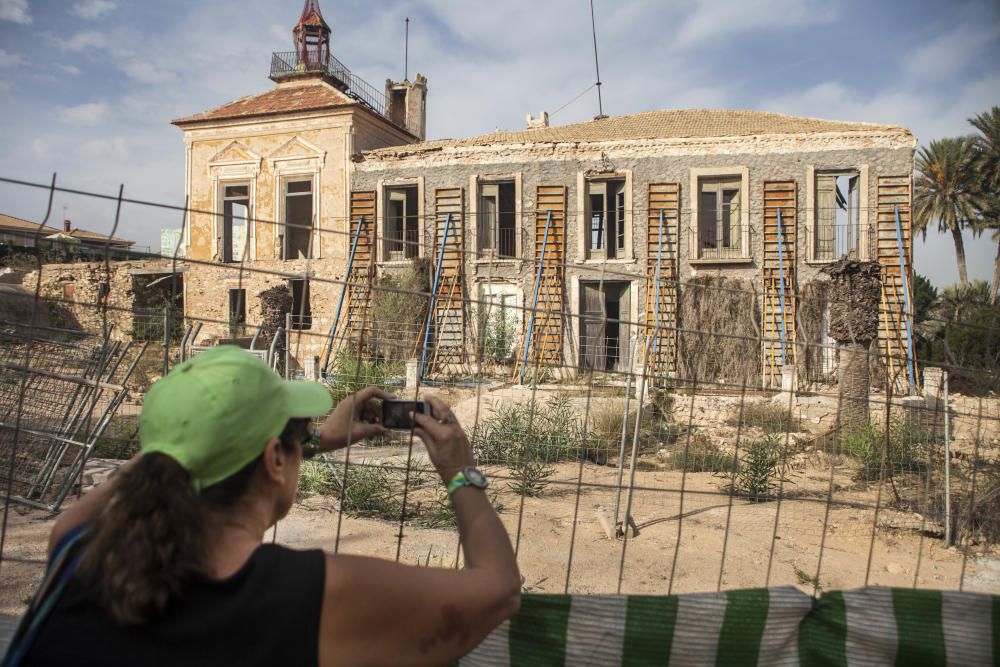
x=291 y=64
x=828 y=242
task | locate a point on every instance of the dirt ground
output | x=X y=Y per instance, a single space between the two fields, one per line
x=561 y=546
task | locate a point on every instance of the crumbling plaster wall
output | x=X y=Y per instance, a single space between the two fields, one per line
x=206 y=297
x=764 y=158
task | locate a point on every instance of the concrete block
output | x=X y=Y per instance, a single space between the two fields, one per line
x=789 y=379
x=412 y=374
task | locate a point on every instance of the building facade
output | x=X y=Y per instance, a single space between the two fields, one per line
x=630 y=210
x=267 y=179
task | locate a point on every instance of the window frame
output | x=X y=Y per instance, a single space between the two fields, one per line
x=864 y=228
x=732 y=173
x=381 y=210
x=475 y=182
x=624 y=213
x=234 y=324
x=284 y=180
x=303 y=321
x=221 y=220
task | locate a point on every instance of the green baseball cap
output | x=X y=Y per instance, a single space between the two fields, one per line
x=214 y=413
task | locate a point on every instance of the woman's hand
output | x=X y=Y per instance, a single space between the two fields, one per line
x=355 y=418
x=444 y=438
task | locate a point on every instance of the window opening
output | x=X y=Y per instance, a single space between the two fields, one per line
x=604 y=330
x=235 y=213
x=237 y=312
x=401 y=223
x=298 y=219
x=301 y=309
x=838 y=229
x=606 y=216
x=719 y=218
x=497 y=232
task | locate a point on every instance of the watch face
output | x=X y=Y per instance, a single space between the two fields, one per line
x=475 y=477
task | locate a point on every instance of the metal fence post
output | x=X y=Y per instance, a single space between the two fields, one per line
x=166 y=339
x=288 y=343
x=947 y=463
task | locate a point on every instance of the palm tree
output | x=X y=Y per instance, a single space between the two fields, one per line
x=945 y=191
x=988 y=168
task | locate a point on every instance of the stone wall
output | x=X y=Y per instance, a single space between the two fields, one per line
x=90 y=295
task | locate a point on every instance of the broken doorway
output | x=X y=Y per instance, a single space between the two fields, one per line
x=604 y=329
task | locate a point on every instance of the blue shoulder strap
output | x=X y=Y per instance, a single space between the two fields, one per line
x=58 y=573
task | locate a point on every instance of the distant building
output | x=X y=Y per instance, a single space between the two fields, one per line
x=170 y=242
x=20 y=233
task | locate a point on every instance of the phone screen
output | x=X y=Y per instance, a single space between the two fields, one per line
x=396 y=413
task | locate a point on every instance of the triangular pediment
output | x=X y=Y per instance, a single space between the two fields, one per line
x=235 y=152
x=297 y=147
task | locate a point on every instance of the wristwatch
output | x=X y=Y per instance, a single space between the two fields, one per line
x=470 y=476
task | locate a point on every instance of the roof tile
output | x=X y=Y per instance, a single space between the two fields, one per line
x=309 y=96
x=652 y=125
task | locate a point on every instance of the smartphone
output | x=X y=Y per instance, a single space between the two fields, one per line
x=396 y=413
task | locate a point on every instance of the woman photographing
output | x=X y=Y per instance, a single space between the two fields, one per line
x=165 y=563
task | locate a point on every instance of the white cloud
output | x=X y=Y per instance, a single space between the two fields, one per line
x=116 y=148
x=83 y=41
x=92 y=9
x=72 y=70
x=713 y=19
x=10 y=59
x=41 y=149
x=142 y=71
x=15 y=11
x=949 y=54
x=87 y=114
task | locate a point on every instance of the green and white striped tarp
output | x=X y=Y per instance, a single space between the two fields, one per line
x=777 y=626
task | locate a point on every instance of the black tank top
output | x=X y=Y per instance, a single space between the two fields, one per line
x=267 y=613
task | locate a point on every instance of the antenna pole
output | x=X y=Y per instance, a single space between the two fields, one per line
x=597 y=65
x=406 y=52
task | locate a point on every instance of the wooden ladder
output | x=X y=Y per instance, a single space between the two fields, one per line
x=780 y=255
x=661 y=257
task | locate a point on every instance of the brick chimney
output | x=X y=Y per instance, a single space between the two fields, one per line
x=66 y=226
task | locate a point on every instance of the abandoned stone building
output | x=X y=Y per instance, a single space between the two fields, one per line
x=584 y=235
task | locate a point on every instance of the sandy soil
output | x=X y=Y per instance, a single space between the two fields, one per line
x=561 y=546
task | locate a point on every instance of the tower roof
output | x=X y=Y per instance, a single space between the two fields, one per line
x=311 y=15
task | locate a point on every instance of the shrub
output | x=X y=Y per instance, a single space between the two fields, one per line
x=316 y=478
x=766 y=415
x=905 y=454
x=497 y=333
x=605 y=432
x=531 y=431
x=979 y=522
x=400 y=302
x=369 y=493
x=529 y=476
x=762 y=467
x=701 y=456
x=354 y=373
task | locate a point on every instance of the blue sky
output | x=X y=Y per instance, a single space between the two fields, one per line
x=89 y=86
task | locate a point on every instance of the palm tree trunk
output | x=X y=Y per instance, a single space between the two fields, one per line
x=855 y=381
x=995 y=287
x=963 y=273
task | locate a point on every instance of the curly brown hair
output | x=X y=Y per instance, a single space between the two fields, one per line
x=149 y=539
